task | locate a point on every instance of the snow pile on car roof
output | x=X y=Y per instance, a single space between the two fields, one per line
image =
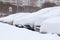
x=51 y=25
x=13 y=17
x=38 y=17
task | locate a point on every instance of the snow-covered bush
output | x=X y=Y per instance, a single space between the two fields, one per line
x=51 y=25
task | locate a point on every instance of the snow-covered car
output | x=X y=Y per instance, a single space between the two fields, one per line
x=8 y=32
x=38 y=17
x=13 y=17
x=18 y=16
x=34 y=14
x=51 y=25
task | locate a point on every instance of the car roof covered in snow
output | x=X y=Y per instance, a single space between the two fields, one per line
x=51 y=25
x=13 y=17
x=38 y=17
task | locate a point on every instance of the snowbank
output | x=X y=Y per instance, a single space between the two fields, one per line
x=8 y=32
x=38 y=17
x=51 y=25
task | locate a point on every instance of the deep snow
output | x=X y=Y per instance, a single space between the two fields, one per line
x=8 y=32
x=51 y=25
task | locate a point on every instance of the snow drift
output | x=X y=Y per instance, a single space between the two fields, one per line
x=8 y=32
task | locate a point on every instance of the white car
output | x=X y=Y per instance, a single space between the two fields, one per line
x=51 y=25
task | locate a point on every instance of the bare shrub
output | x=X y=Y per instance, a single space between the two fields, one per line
x=48 y=4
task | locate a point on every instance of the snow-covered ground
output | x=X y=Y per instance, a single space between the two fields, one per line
x=51 y=25
x=8 y=32
x=38 y=17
